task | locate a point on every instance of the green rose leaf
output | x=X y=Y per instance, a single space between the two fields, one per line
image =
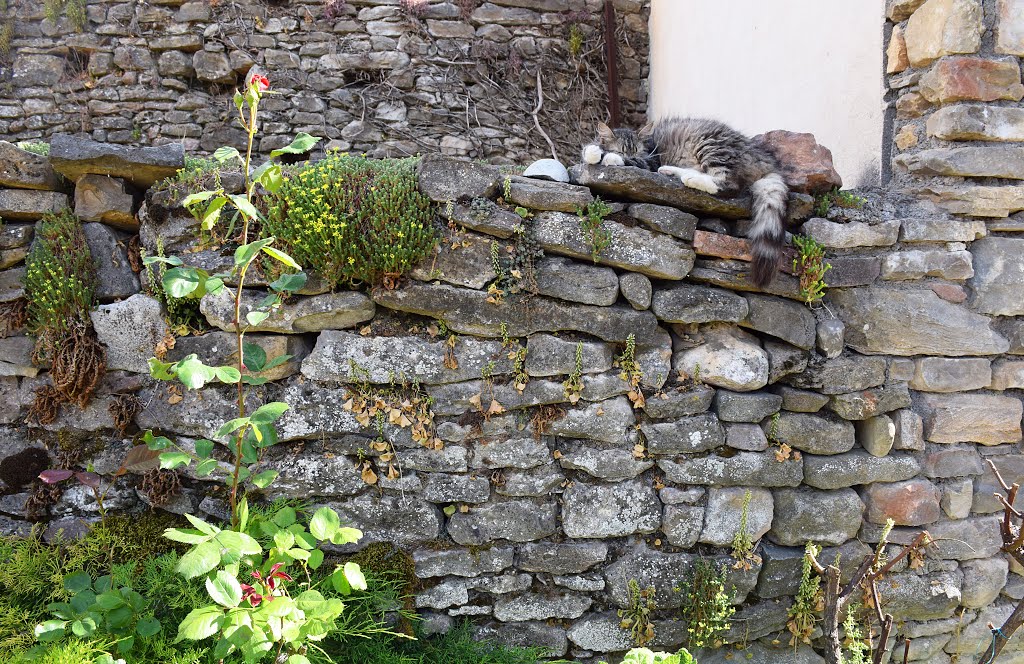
x=200 y=560
x=50 y=630
x=281 y=257
x=253 y=356
x=172 y=460
x=225 y=153
x=224 y=589
x=245 y=253
x=289 y=282
x=205 y=467
x=229 y=375
x=200 y=624
x=204 y=448
x=268 y=412
x=264 y=479
x=254 y=318
x=147 y=627
x=76 y=582
x=246 y=208
x=324 y=524
x=302 y=143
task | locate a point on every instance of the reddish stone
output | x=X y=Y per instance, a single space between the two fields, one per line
x=911 y=105
x=706 y=243
x=910 y=503
x=806 y=165
x=950 y=292
x=896 y=59
x=958 y=78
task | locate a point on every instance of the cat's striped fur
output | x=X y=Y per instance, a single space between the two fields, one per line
x=710 y=156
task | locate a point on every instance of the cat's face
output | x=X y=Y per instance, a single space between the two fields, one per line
x=626 y=142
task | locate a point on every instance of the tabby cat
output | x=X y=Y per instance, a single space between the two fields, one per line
x=712 y=157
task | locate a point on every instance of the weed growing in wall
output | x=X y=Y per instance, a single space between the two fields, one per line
x=837 y=198
x=637 y=617
x=808 y=601
x=707 y=609
x=592 y=223
x=183 y=313
x=35 y=147
x=810 y=267
x=742 y=544
x=60 y=281
x=74 y=10
x=630 y=371
x=572 y=387
x=353 y=220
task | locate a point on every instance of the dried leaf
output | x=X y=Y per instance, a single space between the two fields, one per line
x=557 y=454
x=433 y=330
x=495 y=408
x=365 y=331
x=368 y=475
x=174 y=399
x=475 y=401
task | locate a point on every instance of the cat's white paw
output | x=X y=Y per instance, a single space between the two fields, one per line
x=702 y=182
x=671 y=171
x=612 y=159
x=592 y=154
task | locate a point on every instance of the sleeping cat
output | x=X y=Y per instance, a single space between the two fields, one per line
x=712 y=157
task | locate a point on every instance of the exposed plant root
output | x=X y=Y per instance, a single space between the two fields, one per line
x=45 y=406
x=13 y=316
x=159 y=486
x=123 y=410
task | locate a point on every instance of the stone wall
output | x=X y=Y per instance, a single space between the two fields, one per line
x=378 y=76
x=954 y=82
x=541 y=504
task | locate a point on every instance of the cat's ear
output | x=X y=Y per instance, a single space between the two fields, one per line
x=646 y=130
x=604 y=131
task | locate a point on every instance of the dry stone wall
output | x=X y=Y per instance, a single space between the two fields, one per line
x=378 y=76
x=542 y=505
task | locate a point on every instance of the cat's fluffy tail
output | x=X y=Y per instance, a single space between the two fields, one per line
x=768 y=233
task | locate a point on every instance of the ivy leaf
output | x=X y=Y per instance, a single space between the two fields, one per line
x=200 y=624
x=268 y=412
x=224 y=153
x=181 y=281
x=224 y=589
x=281 y=257
x=289 y=282
x=324 y=524
x=172 y=460
x=199 y=560
x=161 y=370
x=263 y=480
x=245 y=253
x=256 y=317
x=302 y=143
x=253 y=357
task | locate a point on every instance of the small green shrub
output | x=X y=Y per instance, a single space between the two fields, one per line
x=592 y=223
x=199 y=173
x=707 y=608
x=182 y=312
x=60 y=279
x=74 y=10
x=810 y=267
x=353 y=220
x=837 y=198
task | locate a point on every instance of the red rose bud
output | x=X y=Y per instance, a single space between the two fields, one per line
x=260 y=82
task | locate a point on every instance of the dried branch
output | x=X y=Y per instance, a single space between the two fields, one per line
x=536 y=120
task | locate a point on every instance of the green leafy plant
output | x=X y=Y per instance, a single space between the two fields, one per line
x=74 y=10
x=637 y=616
x=855 y=645
x=353 y=220
x=35 y=147
x=837 y=198
x=808 y=600
x=742 y=544
x=630 y=371
x=645 y=656
x=183 y=313
x=708 y=608
x=99 y=607
x=810 y=267
x=572 y=387
x=592 y=222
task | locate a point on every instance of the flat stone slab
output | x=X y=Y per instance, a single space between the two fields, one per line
x=469 y=264
x=20 y=169
x=347 y=357
x=569 y=280
x=742 y=469
x=73 y=157
x=972 y=418
x=823 y=517
x=30 y=205
x=857 y=467
x=330 y=311
x=635 y=184
x=468 y=311
x=130 y=330
x=635 y=249
x=445 y=179
x=998 y=281
x=915 y=322
x=219 y=348
x=686 y=303
x=617 y=510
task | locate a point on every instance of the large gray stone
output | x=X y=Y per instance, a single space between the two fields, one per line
x=634 y=184
x=996 y=161
x=784 y=359
x=25 y=170
x=637 y=290
x=610 y=510
x=741 y=469
x=550 y=639
x=876 y=434
x=977 y=418
x=852 y=234
x=727 y=359
x=607 y=421
x=685 y=303
x=462 y=562
x=921 y=597
x=847 y=373
x=977 y=122
x=402 y=521
x=940 y=374
x=466 y=263
x=910 y=503
x=514 y=520
x=686 y=435
x=664 y=219
x=443 y=488
x=920 y=263
x=883 y=321
x=823 y=517
x=786 y=320
x=871 y=402
x=814 y=434
x=600 y=633
x=130 y=330
x=998 y=276
x=728 y=506
x=857 y=467
x=941 y=230
x=553 y=196
x=983 y=579
x=468 y=311
x=547 y=355
x=571 y=558
x=106 y=199
x=569 y=280
x=73 y=157
x=635 y=249
x=610 y=465
x=330 y=311
x=36 y=69
x=677 y=403
x=976 y=538
x=115 y=279
x=16 y=358
x=800 y=401
x=534 y=606
x=220 y=348
x=682 y=524
x=308 y=474
x=30 y=205
x=445 y=179
x=749 y=407
x=522 y=453
x=347 y=357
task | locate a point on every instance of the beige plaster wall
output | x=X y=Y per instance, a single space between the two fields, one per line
x=802 y=65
